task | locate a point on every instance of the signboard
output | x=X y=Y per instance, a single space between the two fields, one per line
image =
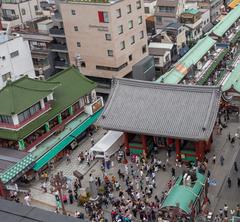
x=96 y=106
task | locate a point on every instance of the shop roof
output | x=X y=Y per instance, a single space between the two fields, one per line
x=183 y=195
x=176 y=111
x=19 y=95
x=226 y=22
x=191 y=11
x=13 y=163
x=176 y=74
x=16 y=212
x=233 y=81
x=73 y=86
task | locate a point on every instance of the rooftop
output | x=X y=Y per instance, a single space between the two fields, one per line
x=191 y=11
x=95 y=1
x=233 y=81
x=21 y=94
x=73 y=86
x=176 y=111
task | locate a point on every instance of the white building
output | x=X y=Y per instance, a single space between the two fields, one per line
x=15 y=58
x=149 y=7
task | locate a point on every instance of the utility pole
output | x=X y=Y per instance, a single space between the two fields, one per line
x=58 y=182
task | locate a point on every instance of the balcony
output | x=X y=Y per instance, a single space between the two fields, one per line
x=10 y=17
x=61 y=64
x=57 y=47
x=39 y=50
x=42 y=67
x=57 y=32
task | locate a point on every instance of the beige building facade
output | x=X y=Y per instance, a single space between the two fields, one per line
x=105 y=39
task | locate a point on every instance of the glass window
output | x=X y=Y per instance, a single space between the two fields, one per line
x=132 y=39
x=138 y=3
x=6 y=119
x=73 y=12
x=6 y=76
x=119 y=14
x=144 y=49
x=141 y=34
x=78 y=44
x=29 y=112
x=146 y=10
x=75 y=28
x=122 y=45
x=140 y=20
x=129 y=9
x=108 y=37
x=130 y=57
x=36 y=7
x=110 y=52
x=23 y=11
x=120 y=29
x=130 y=24
x=103 y=17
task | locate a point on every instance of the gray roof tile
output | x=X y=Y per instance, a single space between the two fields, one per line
x=177 y=111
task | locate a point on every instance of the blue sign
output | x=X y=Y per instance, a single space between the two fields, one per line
x=222 y=45
x=212 y=182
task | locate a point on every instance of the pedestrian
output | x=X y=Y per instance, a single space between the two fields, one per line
x=225 y=210
x=92 y=141
x=214 y=159
x=221 y=213
x=235 y=166
x=229 y=182
x=229 y=137
x=232 y=141
x=68 y=158
x=238 y=182
x=173 y=172
x=221 y=160
x=27 y=199
x=220 y=129
x=208 y=174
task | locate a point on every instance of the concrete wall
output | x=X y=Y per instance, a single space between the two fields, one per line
x=91 y=35
x=18 y=65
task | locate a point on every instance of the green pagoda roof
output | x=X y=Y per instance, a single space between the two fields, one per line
x=183 y=195
x=233 y=80
x=73 y=86
x=18 y=96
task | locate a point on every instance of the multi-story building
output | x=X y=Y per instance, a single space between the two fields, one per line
x=40 y=44
x=149 y=7
x=18 y=12
x=45 y=117
x=105 y=38
x=15 y=58
x=167 y=12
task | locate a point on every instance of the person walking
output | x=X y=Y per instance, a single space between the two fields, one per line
x=235 y=166
x=225 y=210
x=238 y=182
x=173 y=172
x=229 y=137
x=214 y=159
x=229 y=182
x=222 y=160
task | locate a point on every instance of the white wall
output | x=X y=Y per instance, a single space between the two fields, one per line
x=151 y=6
x=205 y=17
x=19 y=65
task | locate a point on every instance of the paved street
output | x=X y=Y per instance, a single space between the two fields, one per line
x=218 y=194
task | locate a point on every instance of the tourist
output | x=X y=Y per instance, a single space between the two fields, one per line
x=235 y=166
x=27 y=199
x=68 y=158
x=222 y=160
x=238 y=182
x=229 y=182
x=173 y=172
x=225 y=210
x=214 y=159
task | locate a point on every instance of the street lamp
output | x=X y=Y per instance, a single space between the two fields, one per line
x=58 y=182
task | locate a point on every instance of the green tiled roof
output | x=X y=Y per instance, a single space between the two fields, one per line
x=184 y=195
x=226 y=22
x=233 y=80
x=73 y=86
x=17 y=96
x=190 y=58
x=13 y=171
x=191 y=11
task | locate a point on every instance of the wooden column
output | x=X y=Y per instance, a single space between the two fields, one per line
x=3 y=192
x=144 y=143
x=178 y=151
x=200 y=150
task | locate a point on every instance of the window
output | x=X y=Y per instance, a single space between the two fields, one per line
x=138 y=3
x=73 y=12
x=132 y=39
x=6 y=119
x=6 y=76
x=140 y=20
x=29 y=112
x=166 y=9
x=122 y=45
x=120 y=29
x=130 y=57
x=159 y=19
x=83 y=64
x=110 y=52
x=156 y=60
x=130 y=24
x=36 y=7
x=119 y=14
x=108 y=37
x=103 y=17
x=23 y=11
x=75 y=28
x=167 y=58
x=141 y=35
x=14 y=54
x=146 y=10
x=129 y=9
x=144 y=49
x=78 y=44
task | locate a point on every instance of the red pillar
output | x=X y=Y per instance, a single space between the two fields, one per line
x=126 y=142
x=200 y=150
x=144 y=143
x=178 y=152
x=3 y=192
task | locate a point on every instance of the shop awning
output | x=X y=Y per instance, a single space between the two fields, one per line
x=65 y=141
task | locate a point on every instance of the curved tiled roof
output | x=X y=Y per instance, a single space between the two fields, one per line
x=176 y=111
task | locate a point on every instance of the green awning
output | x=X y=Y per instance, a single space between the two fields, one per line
x=16 y=169
x=66 y=141
x=233 y=80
